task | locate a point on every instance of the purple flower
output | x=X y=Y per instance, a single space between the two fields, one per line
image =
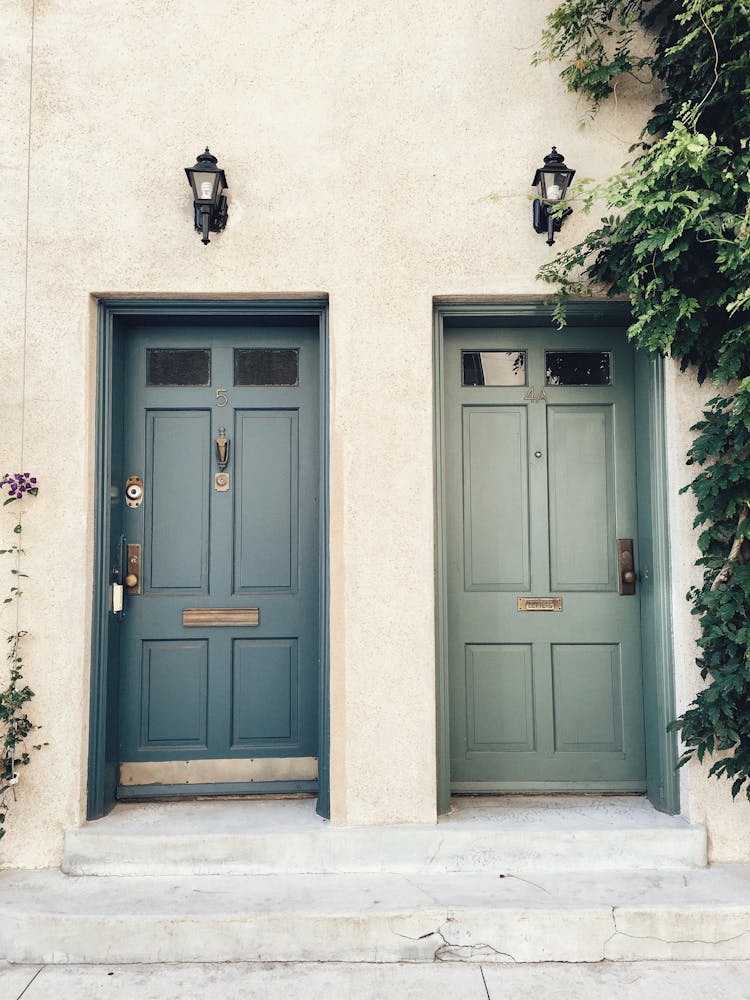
x=18 y=484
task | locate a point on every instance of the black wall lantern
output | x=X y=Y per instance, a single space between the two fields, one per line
x=552 y=182
x=209 y=195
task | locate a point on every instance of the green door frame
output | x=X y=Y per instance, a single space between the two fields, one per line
x=103 y=709
x=651 y=472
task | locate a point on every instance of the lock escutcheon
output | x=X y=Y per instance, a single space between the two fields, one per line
x=625 y=567
x=134 y=491
x=132 y=579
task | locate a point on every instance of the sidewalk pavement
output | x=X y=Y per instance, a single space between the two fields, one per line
x=367 y=981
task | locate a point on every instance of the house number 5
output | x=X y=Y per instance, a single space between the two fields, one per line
x=533 y=397
x=222 y=397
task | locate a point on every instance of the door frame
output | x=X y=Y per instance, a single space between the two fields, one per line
x=103 y=709
x=653 y=517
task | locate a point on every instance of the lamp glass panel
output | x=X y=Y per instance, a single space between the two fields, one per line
x=204 y=183
x=546 y=180
x=561 y=180
x=550 y=185
x=553 y=184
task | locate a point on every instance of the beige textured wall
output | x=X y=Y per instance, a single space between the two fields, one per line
x=363 y=143
x=14 y=122
x=704 y=799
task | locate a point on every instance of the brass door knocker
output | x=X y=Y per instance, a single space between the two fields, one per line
x=222 y=450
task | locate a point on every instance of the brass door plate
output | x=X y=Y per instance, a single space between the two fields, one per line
x=540 y=604
x=625 y=567
x=133 y=568
x=220 y=616
x=200 y=772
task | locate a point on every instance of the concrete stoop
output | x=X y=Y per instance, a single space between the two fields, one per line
x=511 y=879
x=48 y=917
x=508 y=833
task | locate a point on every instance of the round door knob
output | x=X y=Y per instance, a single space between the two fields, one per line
x=131 y=580
x=628 y=576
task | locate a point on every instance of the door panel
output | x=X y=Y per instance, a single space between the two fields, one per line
x=500 y=707
x=586 y=692
x=264 y=695
x=540 y=485
x=495 y=496
x=177 y=467
x=581 y=497
x=267 y=500
x=244 y=538
x=173 y=694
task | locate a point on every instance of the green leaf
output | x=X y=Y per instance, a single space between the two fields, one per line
x=675 y=240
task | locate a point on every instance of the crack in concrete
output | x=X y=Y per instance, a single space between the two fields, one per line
x=30 y=982
x=435 y=853
x=484 y=981
x=421 y=888
x=421 y=937
x=527 y=882
x=653 y=937
x=611 y=936
x=452 y=949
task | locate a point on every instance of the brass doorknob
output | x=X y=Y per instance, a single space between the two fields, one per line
x=628 y=576
x=131 y=580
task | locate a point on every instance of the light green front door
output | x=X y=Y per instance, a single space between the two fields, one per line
x=540 y=486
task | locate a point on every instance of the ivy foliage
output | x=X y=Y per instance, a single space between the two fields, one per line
x=595 y=40
x=676 y=241
x=15 y=724
x=718 y=721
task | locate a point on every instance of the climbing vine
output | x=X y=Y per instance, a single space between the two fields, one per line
x=15 y=724
x=676 y=241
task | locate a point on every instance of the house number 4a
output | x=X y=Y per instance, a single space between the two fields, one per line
x=532 y=396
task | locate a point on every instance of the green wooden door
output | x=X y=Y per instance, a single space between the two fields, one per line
x=209 y=703
x=540 y=486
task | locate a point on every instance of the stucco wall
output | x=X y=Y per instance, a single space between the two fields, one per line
x=381 y=153
x=704 y=799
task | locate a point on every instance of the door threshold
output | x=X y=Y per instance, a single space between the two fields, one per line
x=540 y=793
x=209 y=790
x=581 y=810
x=259 y=797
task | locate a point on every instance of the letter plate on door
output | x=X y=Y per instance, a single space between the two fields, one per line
x=540 y=603
x=220 y=616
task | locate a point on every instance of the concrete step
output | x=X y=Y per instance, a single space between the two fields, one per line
x=374 y=981
x=48 y=917
x=499 y=834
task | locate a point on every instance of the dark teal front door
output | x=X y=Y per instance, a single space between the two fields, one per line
x=544 y=648
x=220 y=627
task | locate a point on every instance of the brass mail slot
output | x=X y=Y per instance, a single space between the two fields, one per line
x=540 y=603
x=220 y=616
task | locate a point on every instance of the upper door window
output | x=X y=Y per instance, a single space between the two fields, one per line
x=578 y=367
x=493 y=368
x=178 y=366
x=266 y=366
